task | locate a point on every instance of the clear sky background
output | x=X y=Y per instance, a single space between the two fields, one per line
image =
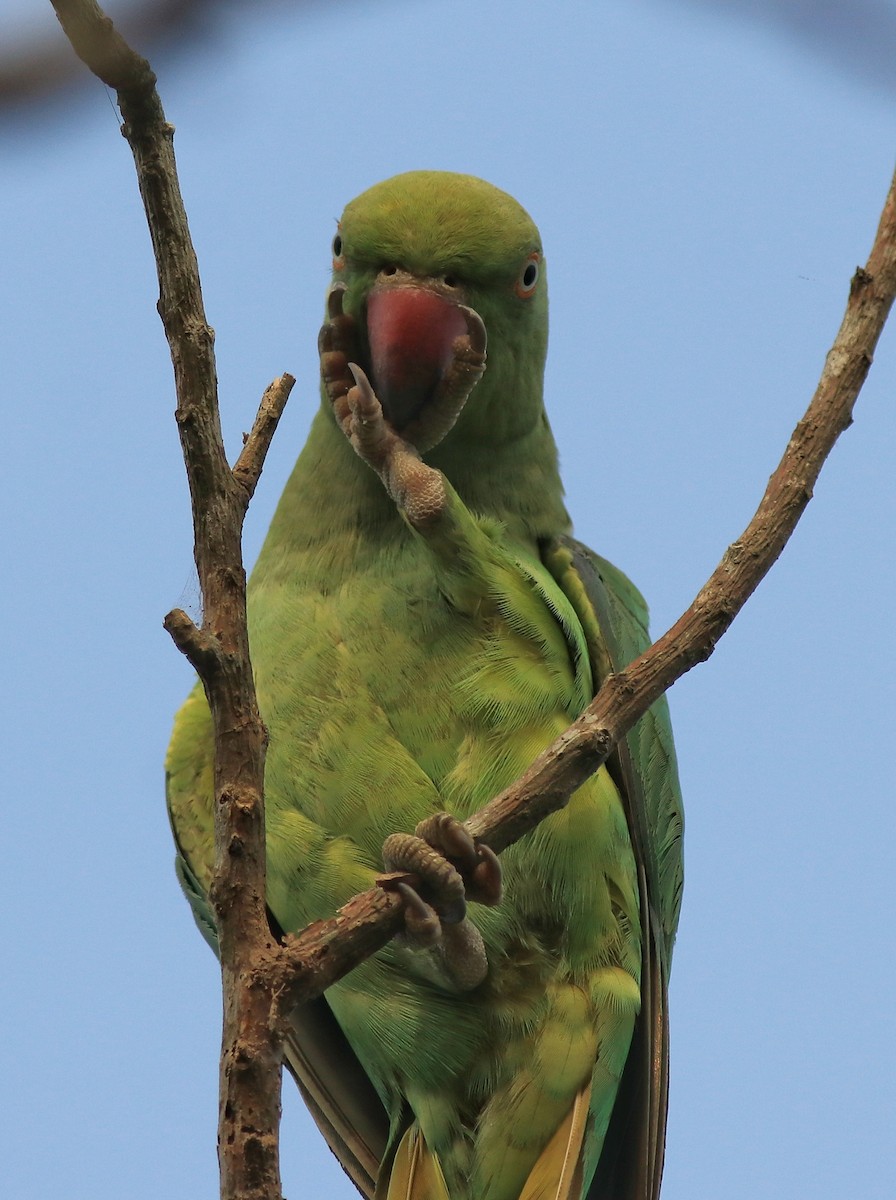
x=706 y=178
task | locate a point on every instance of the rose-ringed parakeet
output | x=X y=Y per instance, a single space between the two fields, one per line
x=422 y=625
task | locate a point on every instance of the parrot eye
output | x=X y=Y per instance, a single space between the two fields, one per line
x=338 y=256
x=528 y=276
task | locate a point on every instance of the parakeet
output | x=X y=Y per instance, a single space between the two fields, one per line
x=422 y=625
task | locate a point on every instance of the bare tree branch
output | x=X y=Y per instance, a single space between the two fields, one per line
x=263 y=980
x=249 y=1111
x=202 y=650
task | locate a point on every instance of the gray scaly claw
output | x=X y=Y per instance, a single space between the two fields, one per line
x=444 y=855
x=337 y=343
x=476 y=862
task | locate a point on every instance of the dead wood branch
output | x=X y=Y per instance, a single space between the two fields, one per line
x=249 y=1111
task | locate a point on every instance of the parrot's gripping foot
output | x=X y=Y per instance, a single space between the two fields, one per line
x=452 y=869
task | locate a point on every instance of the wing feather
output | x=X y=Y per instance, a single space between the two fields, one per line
x=614 y=618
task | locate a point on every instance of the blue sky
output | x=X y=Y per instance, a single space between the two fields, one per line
x=705 y=185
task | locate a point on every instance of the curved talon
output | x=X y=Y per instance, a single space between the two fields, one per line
x=476 y=332
x=444 y=832
x=339 y=329
x=365 y=404
x=486 y=883
x=421 y=920
x=334 y=300
x=366 y=426
x=476 y=862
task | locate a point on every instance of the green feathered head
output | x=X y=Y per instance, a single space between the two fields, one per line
x=413 y=250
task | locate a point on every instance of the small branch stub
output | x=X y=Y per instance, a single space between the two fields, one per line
x=247 y=468
x=201 y=649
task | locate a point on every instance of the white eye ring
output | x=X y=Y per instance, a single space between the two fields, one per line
x=527 y=281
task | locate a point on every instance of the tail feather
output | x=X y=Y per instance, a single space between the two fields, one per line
x=416 y=1173
x=558 y=1170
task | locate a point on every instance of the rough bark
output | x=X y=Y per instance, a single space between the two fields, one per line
x=251 y=1056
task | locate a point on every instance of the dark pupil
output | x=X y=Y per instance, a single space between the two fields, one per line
x=530 y=275
x=337 y=246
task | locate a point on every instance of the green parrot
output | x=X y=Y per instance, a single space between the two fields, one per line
x=422 y=625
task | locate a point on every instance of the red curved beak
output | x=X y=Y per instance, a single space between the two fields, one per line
x=411 y=331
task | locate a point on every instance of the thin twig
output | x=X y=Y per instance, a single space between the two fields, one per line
x=247 y=468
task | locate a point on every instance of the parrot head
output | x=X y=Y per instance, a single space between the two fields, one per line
x=428 y=257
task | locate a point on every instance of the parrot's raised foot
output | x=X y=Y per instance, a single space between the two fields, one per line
x=393 y=450
x=452 y=868
x=422 y=413
x=418 y=490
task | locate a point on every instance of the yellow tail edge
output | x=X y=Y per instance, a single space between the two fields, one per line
x=558 y=1170
x=416 y=1172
